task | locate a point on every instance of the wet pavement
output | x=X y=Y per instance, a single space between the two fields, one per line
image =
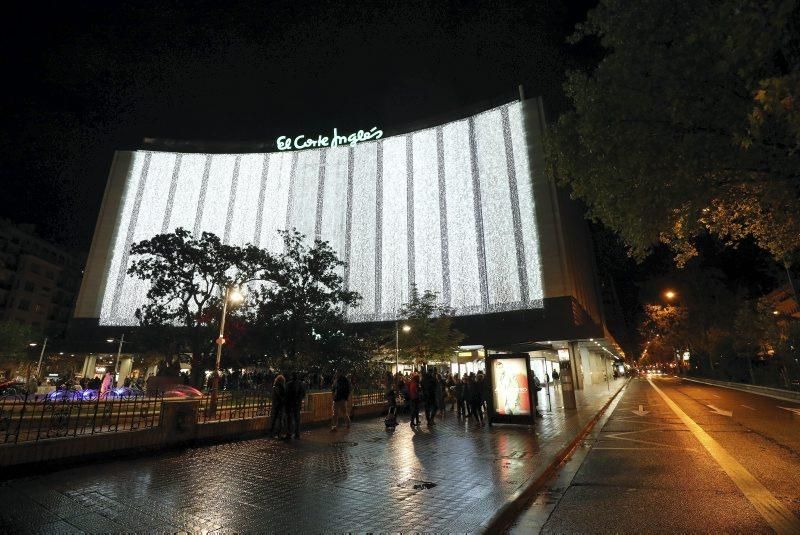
x=451 y=477
x=649 y=467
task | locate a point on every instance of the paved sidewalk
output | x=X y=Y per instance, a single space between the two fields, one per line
x=361 y=479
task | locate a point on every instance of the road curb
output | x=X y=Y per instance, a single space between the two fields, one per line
x=502 y=519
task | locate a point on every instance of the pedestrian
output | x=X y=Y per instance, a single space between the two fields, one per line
x=555 y=375
x=295 y=394
x=440 y=394
x=429 y=396
x=341 y=396
x=535 y=387
x=413 y=398
x=450 y=391
x=106 y=384
x=459 y=390
x=278 y=406
x=475 y=399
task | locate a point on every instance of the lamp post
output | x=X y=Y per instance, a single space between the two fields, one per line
x=406 y=328
x=41 y=356
x=119 y=353
x=234 y=296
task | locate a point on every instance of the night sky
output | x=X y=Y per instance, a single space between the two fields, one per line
x=83 y=79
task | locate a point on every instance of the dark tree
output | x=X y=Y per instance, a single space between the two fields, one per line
x=689 y=124
x=188 y=276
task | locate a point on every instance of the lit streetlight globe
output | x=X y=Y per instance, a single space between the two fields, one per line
x=235 y=296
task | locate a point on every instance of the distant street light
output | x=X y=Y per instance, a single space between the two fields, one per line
x=233 y=296
x=406 y=328
x=670 y=295
x=41 y=355
x=119 y=352
x=775 y=312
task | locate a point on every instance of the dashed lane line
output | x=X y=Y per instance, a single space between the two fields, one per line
x=777 y=515
x=748 y=407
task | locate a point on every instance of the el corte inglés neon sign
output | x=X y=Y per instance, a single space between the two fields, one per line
x=335 y=140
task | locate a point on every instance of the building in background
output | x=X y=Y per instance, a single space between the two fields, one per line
x=463 y=208
x=38 y=281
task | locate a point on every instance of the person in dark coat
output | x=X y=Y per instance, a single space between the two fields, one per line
x=460 y=390
x=295 y=394
x=429 y=395
x=278 y=405
x=341 y=397
x=475 y=396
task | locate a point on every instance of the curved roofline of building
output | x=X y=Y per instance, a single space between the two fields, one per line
x=261 y=146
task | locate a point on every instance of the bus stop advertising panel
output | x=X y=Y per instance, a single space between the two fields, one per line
x=511 y=400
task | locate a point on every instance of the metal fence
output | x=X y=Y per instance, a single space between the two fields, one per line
x=243 y=404
x=32 y=418
x=234 y=405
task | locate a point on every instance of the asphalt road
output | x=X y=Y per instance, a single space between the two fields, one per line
x=676 y=456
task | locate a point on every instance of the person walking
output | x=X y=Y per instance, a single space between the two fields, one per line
x=341 y=396
x=535 y=387
x=278 y=406
x=441 y=391
x=295 y=394
x=450 y=394
x=459 y=389
x=413 y=397
x=475 y=399
x=429 y=395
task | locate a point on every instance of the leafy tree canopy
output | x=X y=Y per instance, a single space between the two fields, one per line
x=14 y=339
x=432 y=335
x=690 y=124
x=188 y=277
x=301 y=316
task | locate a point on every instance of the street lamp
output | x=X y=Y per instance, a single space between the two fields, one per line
x=670 y=295
x=233 y=296
x=406 y=328
x=41 y=355
x=119 y=352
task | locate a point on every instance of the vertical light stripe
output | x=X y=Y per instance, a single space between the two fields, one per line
x=514 y=202
x=262 y=194
x=445 y=297
x=232 y=199
x=171 y=196
x=394 y=228
x=378 y=226
x=201 y=202
x=427 y=227
x=476 y=193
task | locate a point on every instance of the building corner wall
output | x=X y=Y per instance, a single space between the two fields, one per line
x=90 y=295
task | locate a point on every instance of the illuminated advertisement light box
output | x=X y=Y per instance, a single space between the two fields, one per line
x=511 y=398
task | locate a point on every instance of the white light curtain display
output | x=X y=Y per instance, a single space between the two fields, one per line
x=448 y=209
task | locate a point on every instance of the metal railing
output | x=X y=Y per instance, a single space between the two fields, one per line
x=234 y=405
x=243 y=404
x=33 y=418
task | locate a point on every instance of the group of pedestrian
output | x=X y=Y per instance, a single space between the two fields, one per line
x=287 y=400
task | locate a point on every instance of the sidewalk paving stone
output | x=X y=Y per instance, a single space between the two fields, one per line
x=359 y=479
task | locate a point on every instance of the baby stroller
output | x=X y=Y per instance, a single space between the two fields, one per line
x=391 y=414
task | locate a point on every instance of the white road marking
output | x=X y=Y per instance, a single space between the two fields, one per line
x=777 y=515
x=720 y=411
x=790 y=409
x=641 y=411
x=748 y=407
x=662 y=449
x=716 y=396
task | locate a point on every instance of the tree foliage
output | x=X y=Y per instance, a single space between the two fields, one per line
x=432 y=335
x=689 y=124
x=300 y=317
x=188 y=277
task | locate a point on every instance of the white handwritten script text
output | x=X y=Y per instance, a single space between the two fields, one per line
x=303 y=142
